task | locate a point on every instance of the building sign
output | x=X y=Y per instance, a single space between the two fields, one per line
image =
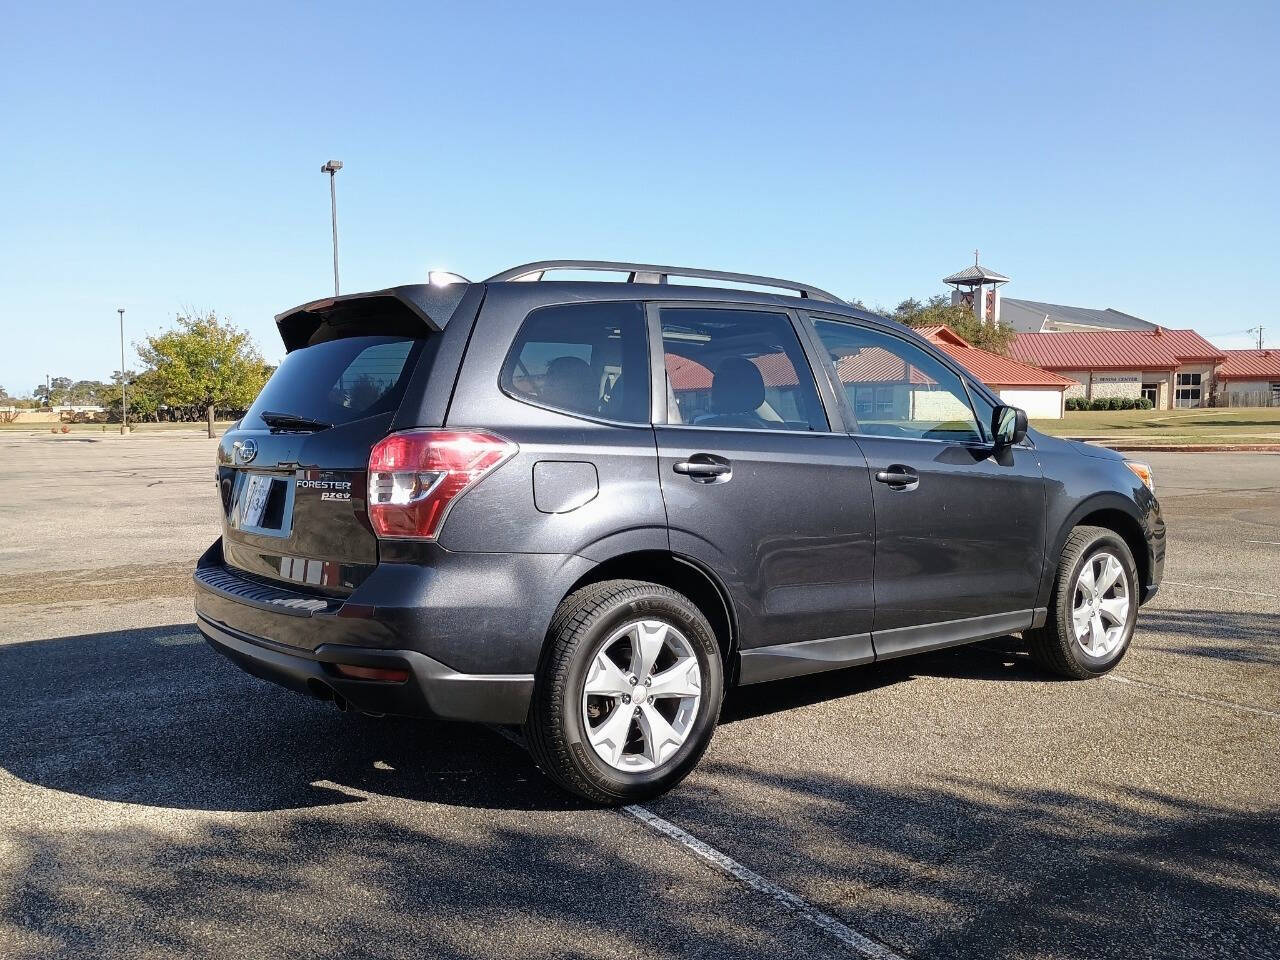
x=1117 y=378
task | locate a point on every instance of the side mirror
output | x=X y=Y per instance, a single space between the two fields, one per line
x=1008 y=426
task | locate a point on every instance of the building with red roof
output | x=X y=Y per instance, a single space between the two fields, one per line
x=1247 y=378
x=1171 y=368
x=1039 y=392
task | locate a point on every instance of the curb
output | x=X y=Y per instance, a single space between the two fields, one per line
x=1193 y=447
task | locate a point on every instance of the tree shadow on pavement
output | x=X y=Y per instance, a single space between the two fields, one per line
x=1239 y=636
x=319 y=855
x=155 y=717
x=961 y=868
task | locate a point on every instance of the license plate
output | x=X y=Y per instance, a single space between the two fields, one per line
x=254 y=500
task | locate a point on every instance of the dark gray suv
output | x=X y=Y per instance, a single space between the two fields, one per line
x=588 y=507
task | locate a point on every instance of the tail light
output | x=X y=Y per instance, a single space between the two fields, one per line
x=415 y=476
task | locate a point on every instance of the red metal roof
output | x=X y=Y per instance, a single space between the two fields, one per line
x=997 y=371
x=1157 y=349
x=876 y=365
x=1249 y=365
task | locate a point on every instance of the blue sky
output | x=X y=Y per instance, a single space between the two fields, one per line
x=157 y=156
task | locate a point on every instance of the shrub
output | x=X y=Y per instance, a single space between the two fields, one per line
x=1100 y=403
x=1070 y=404
x=1144 y=404
x=1128 y=403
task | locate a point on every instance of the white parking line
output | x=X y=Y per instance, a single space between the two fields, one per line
x=1201 y=586
x=1199 y=698
x=1270 y=543
x=859 y=943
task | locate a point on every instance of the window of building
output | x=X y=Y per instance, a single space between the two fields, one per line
x=1187 y=392
x=737 y=368
x=1151 y=391
x=583 y=358
x=896 y=388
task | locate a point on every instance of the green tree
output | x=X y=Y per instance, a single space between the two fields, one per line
x=204 y=363
x=939 y=311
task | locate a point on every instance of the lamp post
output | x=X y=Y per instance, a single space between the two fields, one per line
x=331 y=168
x=124 y=400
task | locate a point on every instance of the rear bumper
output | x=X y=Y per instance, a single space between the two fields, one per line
x=432 y=689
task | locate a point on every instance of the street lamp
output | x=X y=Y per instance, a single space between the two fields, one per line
x=332 y=167
x=124 y=400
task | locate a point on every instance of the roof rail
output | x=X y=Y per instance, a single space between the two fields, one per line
x=656 y=273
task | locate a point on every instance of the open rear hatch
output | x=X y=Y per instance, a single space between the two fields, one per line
x=293 y=474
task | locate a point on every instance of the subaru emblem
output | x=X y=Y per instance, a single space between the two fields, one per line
x=245 y=450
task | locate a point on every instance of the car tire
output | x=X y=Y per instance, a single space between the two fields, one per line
x=1088 y=630
x=658 y=735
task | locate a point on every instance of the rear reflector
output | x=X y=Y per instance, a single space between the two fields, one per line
x=370 y=673
x=415 y=476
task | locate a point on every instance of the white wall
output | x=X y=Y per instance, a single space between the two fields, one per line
x=1041 y=403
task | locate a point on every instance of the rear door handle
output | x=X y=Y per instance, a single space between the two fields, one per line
x=898 y=476
x=704 y=468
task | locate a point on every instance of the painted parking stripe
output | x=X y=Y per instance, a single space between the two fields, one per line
x=860 y=943
x=1270 y=543
x=1199 y=698
x=1202 y=586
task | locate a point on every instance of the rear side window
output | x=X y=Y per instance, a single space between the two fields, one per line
x=338 y=381
x=583 y=358
x=737 y=368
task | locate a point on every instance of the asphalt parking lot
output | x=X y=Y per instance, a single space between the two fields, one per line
x=156 y=802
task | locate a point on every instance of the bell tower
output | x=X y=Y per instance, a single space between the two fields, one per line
x=978 y=289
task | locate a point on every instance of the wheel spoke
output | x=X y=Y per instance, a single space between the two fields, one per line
x=1086 y=580
x=1097 y=634
x=605 y=678
x=681 y=680
x=1116 y=610
x=647 y=641
x=610 y=737
x=1080 y=616
x=660 y=738
x=1111 y=572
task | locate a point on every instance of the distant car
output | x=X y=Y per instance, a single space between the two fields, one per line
x=589 y=507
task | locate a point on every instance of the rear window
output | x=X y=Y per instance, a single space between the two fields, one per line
x=338 y=381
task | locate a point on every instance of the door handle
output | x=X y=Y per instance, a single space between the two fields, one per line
x=898 y=477
x=704 y=468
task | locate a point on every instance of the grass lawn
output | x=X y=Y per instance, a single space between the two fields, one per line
x=28 y=427
x=1218 y=425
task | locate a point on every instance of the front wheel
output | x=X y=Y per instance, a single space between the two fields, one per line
x=1093 y=606
x=628 y=693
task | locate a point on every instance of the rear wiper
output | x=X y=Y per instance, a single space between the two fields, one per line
x=292 y=422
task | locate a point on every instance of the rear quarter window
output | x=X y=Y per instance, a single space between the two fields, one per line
x=338 y=381
x=589 y=359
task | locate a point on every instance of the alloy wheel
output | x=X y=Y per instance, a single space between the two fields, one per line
x=641 y=695
x=1100 y=605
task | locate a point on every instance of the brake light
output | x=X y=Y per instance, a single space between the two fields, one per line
x=415 y=476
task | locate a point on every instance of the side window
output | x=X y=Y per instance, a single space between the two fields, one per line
x=737 y=368
x=985 y=410
x=584 y=358
x=897 y=389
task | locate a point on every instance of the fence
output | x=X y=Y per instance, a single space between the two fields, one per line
x=1249 y=398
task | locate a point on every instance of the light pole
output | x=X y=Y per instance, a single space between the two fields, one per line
x=331 y=168
x=124 y=400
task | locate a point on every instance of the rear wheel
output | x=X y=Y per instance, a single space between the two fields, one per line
x=1093 y=606
x=628 y=693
